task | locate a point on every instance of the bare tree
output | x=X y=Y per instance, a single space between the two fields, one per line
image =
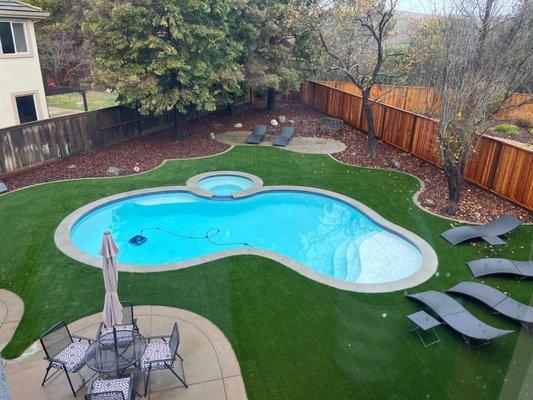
x=354 y=35
x=482 y=56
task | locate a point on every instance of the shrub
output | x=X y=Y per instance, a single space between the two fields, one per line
x=506 y=128
x=531 y=131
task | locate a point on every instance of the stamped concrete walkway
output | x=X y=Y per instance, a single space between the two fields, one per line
x=298 y=144
x=210 y=365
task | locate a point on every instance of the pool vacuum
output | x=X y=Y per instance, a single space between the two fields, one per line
x=137 y=240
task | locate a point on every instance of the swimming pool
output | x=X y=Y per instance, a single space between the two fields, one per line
x=320 y=234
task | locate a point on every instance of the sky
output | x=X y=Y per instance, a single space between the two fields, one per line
x=418 y=5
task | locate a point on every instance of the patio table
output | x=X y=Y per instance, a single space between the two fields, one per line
x=108 y=359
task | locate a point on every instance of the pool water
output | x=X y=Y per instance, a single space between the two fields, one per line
x=320 y=232
x=225 y=185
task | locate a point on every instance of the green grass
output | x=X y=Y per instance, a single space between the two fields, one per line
x=294 y=338
x=74 y=101
x=506 y=128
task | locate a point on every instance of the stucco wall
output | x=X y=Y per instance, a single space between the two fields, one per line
x=21 y=75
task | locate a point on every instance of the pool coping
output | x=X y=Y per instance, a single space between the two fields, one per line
x=428 y=268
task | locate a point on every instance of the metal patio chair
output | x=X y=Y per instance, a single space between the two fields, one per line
x=63 y=353
x=161 y=355
x=112 y=389
x=129 y=322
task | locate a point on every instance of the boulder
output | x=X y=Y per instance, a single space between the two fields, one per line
x=394 y=164
x=274 y=122
x=450 y=209
x=72 y=166
x=212 y=135
x=290 y=122
x=282 y=119
x=428 y=203
x=238 y=125
x=113 y=171
x=3 y=187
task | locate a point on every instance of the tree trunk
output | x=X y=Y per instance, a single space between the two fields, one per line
x=271 y=98
x=367 y=107
x=454 y=177
x=179 y=125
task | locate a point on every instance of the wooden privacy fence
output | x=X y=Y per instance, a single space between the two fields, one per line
x=422 y=100
x=31 y=144
x=497 y=165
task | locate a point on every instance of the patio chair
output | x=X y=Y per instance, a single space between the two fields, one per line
x=63 y=353
x=257 y=134
x=476 y=333
x=492 y=266
x=112 y=389
x=123 y=330
x=489 y=232
x=284 y=137
x=497 y=301
x=161 y=355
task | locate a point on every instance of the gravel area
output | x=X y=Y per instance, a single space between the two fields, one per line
x=144 y=153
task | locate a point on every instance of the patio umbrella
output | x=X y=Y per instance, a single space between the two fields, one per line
x=112 y=314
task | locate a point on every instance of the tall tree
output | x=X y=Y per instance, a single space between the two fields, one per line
x=354 y=36
x=278 y=46
x=479 y=54
x=162 y=55
x=61 y=49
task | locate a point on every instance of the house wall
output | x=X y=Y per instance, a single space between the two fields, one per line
x=21 y=74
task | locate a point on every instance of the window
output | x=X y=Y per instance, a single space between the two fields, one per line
x=13 y=37
x=26 y=108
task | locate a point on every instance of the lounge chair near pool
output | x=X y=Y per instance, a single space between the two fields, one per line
x=493 y=266
x=257 y=134
x=498 y=301
x=475 y=332
x=489 y=232
x=284 y=136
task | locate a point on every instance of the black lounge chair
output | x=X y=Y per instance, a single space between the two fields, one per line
x=257 y=134
x=492 y=266
x=489 y=232
x=284 y=136
x=498 y=301
x=476 y=333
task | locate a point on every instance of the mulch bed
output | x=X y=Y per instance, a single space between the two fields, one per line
x=145 y=153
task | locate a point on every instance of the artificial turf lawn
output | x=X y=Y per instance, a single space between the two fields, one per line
x=294 y=338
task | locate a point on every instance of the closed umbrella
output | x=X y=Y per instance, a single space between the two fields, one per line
x=112 y=314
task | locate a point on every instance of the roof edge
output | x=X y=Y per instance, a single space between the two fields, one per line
x=24 y=14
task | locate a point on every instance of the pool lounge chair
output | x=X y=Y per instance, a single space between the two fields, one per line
x=489 y=232
x=492 y=266
x=475 y=332
x=257 y=134
x=498 y=301
x=284 y=136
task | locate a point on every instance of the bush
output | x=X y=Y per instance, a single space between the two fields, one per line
x=506 y=128
x=531 y=131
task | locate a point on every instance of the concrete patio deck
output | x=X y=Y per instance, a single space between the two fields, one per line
x=210 y=366
x=298 y=144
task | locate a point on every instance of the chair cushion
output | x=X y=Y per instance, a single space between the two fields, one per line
x=104 y=386
x=124 y=336
x=73 y=356
x=156 y=351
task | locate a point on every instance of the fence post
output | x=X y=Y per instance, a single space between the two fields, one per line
x=412 y=136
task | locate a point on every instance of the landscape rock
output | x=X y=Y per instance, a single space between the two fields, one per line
x=72 y=166
x=428 y=203
x=450 y=209
x=290 y=122
x=274 y=122
x=114 y=171
x=282 y=119
x=395 y=164
x=3 y=187
x=237 y=125
x=212 y=135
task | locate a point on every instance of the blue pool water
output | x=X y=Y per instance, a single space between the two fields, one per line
x=225 y=185
x=324 y=234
